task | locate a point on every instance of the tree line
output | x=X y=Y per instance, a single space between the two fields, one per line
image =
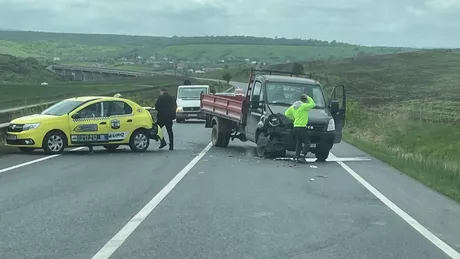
x=123 y=40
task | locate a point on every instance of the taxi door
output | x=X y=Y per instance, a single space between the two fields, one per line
x=120 y=121
x=88 y=125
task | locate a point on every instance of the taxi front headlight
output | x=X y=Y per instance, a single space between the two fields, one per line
x=179 y=109
x=30 y=126
x=331 y=125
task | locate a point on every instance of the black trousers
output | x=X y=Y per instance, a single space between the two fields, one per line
x=168 y=124
x=302 y=138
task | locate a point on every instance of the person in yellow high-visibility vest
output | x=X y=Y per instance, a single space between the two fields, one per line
x=298 y=112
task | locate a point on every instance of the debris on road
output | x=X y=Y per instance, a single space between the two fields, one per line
x=313 y=166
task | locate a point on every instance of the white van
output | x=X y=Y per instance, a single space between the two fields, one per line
x=188 y=102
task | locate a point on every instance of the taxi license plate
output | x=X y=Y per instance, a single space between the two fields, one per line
x=11 y=137
x=312 y=145
x=89 y=138
x=192 y=115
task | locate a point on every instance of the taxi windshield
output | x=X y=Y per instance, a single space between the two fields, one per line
x=62 y=107
x=288 y=93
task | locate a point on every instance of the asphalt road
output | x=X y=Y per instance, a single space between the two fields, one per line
x=218 y=203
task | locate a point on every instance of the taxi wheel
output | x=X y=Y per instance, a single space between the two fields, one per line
x=139 y=141
x=54 y=142
x=27 y=149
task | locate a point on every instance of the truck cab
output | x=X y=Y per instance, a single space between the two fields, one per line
x=188 y=102
x=259 y=116
x=266 y=125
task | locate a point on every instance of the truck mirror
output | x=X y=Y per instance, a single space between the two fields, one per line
x=334 y=107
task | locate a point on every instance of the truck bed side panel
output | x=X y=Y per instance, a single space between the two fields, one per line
x=228 y=107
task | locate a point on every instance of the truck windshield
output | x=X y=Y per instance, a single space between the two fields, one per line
x=62 y=107
x=288 y=93
x=191 y=93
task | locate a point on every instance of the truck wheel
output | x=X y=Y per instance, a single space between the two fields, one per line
x=262 y=141
x=139 y=141
x=322 y=154
x=219 y=139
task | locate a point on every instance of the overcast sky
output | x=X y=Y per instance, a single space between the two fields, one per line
x=419 y=23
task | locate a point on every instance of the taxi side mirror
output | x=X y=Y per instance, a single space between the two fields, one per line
x=76 y=116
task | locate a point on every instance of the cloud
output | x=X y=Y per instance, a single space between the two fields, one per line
x=443 y=4
x=368 y=22
x=415 y=11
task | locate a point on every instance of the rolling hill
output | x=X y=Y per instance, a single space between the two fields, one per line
x=93 y=46
x=18 y=70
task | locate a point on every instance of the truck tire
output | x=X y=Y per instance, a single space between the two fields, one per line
x=261 y=142
x=322 y=154
x=219 y=138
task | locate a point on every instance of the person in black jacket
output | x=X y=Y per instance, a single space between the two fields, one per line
x=166 y=112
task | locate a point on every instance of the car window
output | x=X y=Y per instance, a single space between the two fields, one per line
x=62 y=107
x=256 y=91
x=288 y=93
x=91 y=111
x=120 y=108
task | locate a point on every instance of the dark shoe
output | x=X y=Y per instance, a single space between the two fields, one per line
x=171 y=147
x=163 y=144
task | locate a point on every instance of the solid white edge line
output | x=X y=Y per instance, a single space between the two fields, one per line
x=452 y=253
x=34 y=161
x=113 y=244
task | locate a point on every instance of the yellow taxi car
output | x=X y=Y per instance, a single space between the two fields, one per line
x=96 y=120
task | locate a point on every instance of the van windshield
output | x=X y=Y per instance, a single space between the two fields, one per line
x=191 y=93
x=288 y=93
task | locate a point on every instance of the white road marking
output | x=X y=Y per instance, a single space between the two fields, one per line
x=406 y=217
x=33 y=161
x=110 y=247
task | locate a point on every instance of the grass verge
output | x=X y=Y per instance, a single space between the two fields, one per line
x=428 y=152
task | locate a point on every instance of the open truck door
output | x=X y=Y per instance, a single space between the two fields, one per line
x=338 y=108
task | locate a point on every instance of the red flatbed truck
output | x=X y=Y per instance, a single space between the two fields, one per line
x=259 y=115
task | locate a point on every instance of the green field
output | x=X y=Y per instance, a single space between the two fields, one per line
x=269 y=53
x=93 y=46
x=14 y=95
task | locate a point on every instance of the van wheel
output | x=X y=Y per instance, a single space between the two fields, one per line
x=111 y=148
x=54 y=143
x=139 y=141
x=322 y=154
x=219 y=138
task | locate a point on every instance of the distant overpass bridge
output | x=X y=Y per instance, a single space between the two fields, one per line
x=93 y=73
